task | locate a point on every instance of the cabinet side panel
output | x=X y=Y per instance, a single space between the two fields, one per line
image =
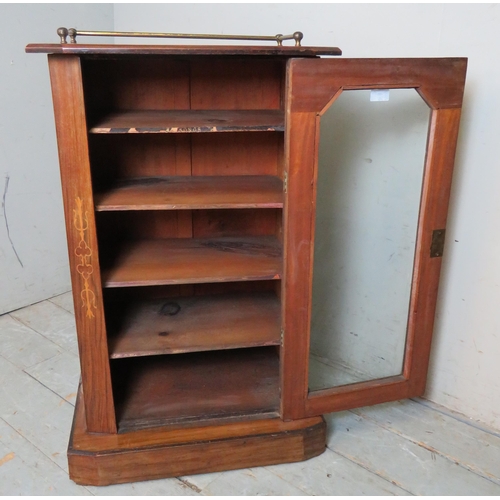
x=67 y=92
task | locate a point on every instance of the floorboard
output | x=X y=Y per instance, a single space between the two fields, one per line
x=457 y=441
x=410 y=466
x=399 y=448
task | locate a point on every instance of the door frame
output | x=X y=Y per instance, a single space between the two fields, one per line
x=312 y=85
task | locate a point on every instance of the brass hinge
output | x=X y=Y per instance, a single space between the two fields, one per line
x=282 y=336
x=437 y=244
x=285 y=182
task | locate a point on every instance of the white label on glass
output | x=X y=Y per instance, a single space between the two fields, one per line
x=379 y=95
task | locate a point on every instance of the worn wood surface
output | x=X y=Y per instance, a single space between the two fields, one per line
x=185 y=260
x=433 y=428
x=178 y=122
x=100 y=459
x=190 y=324
x=245 y=50
x=181 y=388
x=414 y=467
x=69 y=109
x=194 y=192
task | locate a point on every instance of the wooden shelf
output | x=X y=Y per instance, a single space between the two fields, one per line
x=191 y=324
x=154 y=391
x=192 y=260
x=189 y=121
x=193 y=192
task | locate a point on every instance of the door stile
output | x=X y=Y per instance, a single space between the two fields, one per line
x=71 y=129
x=443 y=135
x=299 y=213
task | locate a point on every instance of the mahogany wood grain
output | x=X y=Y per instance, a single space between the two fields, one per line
x=114 y=228
x=198 y=458
x=69 y=109
x=241 y=222
x=301 y=147
x=101 y=459
x=193 y=324
x=155 y=83
x=115 y=298
x=120 y=157
x=124 y=84
x=439 y=81
x=239 y=153
x=190 y=121
x=234 y=287
x=196 y=192
x=154 y=390
x=206 y=50
x=85 y=442
x=438 y=171
x=186 y=260
x=236 y=83
x=356 y=395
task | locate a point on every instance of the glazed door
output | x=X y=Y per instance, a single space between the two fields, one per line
x=370 y=148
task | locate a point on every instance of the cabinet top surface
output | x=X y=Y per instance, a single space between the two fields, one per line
x=240 y=50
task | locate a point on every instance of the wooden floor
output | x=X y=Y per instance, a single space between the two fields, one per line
x=403 y=448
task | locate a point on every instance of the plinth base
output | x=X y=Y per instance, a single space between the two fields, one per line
x=102 y=459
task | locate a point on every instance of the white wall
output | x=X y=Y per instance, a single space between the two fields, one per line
x=28 y=153
x=465 y=367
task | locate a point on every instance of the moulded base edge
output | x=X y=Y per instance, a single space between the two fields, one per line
x=103 y=459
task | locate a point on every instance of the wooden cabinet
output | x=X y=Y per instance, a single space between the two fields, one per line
x=189 y=183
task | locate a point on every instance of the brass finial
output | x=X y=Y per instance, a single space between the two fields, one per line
x=63 y=33
x=297 y=36
x=72 y=35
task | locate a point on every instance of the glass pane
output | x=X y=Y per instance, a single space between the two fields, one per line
x=371 y=160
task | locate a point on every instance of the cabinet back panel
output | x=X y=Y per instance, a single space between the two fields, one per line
x=236 y=84
x=128 y=84
x=155 y=390
x=114 y=227
x=151 y=155
x=157 y=83
x=220 y=223
x=130 y=156
x=237 y=153
x=112 y=295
